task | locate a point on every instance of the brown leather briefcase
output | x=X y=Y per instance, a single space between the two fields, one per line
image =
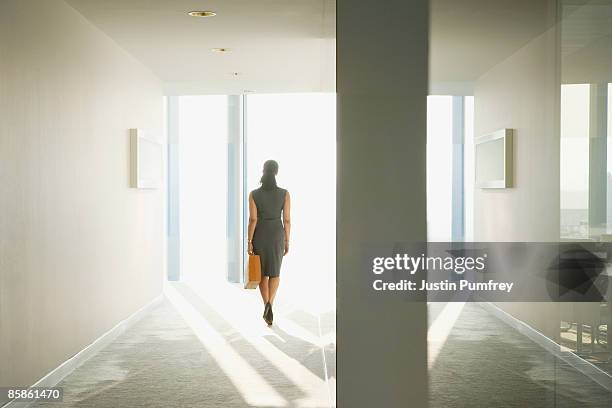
x=253 y=272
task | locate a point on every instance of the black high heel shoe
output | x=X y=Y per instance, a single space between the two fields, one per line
x=269 y=317
x=266 y=311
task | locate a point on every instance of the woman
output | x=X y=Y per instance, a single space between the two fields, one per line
x=268 y=235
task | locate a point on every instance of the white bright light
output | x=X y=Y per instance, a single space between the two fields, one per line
x=439 y=168
x=299 y=132
x=203 y=187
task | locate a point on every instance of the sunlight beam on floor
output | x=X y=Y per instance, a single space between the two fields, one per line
x=252 y=328
x=253 y=388
x=440 y=329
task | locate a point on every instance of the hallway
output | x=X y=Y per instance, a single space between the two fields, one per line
x=134 y=132
x=188 y=353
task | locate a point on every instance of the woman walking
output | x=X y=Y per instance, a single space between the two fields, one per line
x=268 y=234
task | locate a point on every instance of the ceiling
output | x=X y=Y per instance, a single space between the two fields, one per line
x=289 y=45
x=276 y=45
x=469 y=37
x=586 y=43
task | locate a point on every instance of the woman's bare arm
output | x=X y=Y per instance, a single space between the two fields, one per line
x=287 y=220
x=252 y=222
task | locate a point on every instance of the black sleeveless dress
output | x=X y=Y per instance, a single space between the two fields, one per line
x=269 y=236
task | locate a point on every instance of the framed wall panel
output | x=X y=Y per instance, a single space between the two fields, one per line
x=494 y=159
x=145 y=160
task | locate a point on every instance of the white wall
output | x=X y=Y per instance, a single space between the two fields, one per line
x=522 y=93
x=79 y=249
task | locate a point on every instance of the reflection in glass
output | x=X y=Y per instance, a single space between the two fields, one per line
x=575 y=161
x=586 y=163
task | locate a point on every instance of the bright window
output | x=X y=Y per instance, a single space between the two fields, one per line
x=299 y=132
x=203 y=187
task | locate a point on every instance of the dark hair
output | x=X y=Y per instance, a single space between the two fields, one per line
x=268 y=179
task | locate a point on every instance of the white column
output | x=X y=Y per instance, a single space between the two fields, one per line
x=235 y=189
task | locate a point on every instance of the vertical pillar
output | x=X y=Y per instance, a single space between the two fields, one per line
x=235 y=187
x=598 y=175
x=382 y=81
x=457 y=201
x=174 y=236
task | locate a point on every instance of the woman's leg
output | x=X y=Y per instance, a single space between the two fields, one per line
x=273 y=287
x=263 y=288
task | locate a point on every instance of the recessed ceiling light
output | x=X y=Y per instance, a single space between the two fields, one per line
x=220 y=49
x=204 y=13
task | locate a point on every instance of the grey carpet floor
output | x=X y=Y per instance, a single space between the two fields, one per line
x=485 y=363
x=160 y=362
